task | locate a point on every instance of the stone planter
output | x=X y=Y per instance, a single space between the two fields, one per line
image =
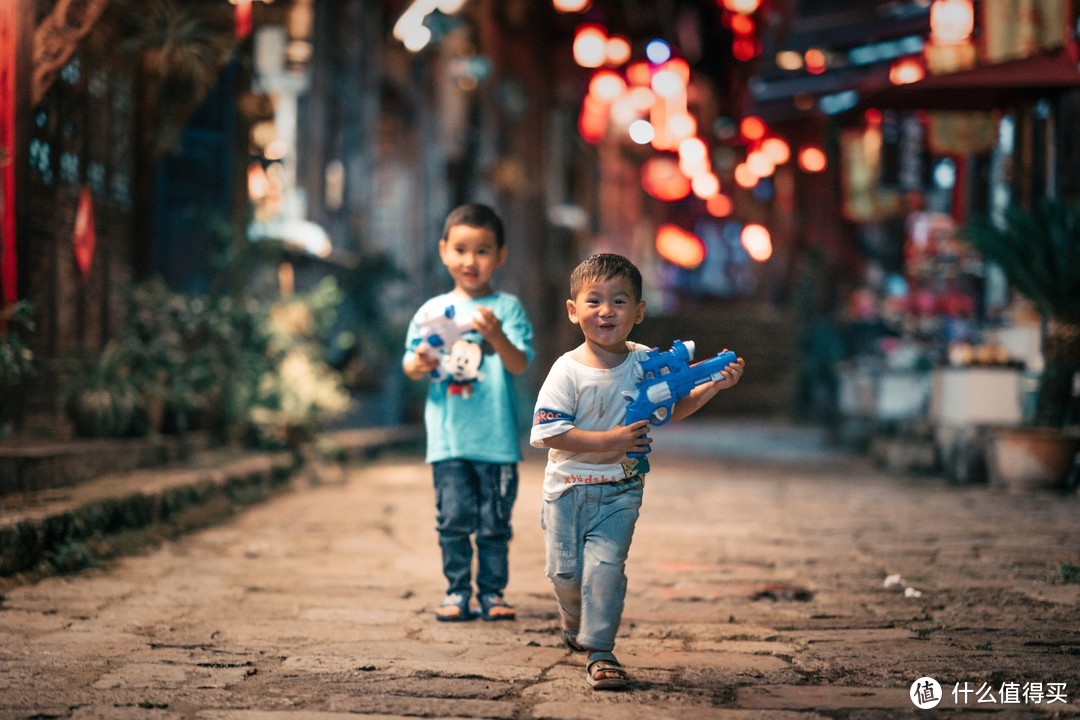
x=1031 y=459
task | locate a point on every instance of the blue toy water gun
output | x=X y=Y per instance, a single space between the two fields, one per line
x=668 y=377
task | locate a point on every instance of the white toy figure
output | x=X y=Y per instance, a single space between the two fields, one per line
x=439 y=330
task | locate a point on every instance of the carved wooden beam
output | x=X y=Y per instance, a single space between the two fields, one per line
x=58 y=36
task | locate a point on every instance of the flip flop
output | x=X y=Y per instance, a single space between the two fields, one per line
x=454 y=608
x=493 y=607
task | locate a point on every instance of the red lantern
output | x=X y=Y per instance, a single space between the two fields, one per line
x=951 y=21
x=243 y=18
x=745 y=7
x=906 y=71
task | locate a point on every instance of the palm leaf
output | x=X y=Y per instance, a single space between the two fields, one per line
x=1039 y=253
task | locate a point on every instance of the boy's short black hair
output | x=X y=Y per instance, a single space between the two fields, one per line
x=605 y=266
x=477 y=216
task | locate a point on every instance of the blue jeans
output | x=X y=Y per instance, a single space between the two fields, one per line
x=474 y=498
x=588 y=530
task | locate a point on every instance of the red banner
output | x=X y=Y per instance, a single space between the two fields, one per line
x=84 y=238
x=243 y=18
x=8 y=37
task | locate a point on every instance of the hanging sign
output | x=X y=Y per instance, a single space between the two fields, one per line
x=961 y=133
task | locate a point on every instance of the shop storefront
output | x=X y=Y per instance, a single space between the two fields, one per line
x=930 y=128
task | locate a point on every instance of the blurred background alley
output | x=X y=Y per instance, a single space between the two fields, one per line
x=219 y=215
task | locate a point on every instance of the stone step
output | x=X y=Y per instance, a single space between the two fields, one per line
x=58 y=528
x=27 y=465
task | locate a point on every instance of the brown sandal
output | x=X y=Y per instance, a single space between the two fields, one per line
x=494 y=607
x=605 y=673
x=454 y=608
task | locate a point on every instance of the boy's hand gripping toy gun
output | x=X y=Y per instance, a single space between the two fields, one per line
x=669 y=376
x=439 y=330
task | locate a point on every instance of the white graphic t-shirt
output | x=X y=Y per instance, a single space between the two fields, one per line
x=578 y=396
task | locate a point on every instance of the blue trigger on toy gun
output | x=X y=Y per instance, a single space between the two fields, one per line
x=668 y=377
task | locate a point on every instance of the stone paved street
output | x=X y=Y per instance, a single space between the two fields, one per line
x=759 y=588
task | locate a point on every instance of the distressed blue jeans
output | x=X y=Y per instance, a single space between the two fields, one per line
x=588 y=530
x=474 y=498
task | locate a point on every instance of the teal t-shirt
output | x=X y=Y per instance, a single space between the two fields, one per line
x=471 y=411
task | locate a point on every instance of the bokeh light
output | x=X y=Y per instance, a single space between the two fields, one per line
x=752 y=128
x=590 y=46
x=658 y=52
x=679 y=247
x=571 y=6
x=719 y=205
x=757 y=241
x=617 y=50
x=642 y=132
x=607 y=86
x=660 y=177
x=812 y=159
x=906 y=71
x=705 y=185
x=777 y=150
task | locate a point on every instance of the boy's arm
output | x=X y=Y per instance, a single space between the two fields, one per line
x=706 y=392
x=419 y=363
x=419 y=359
x=513 y=358
x=621 y=438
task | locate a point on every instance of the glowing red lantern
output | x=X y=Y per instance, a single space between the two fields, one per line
x=742 y=6
x=906 y=71
x=951 y=21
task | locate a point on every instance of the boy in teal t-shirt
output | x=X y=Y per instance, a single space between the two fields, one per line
x=471 y=414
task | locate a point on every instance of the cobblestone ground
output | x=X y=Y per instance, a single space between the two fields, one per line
x=799 y=587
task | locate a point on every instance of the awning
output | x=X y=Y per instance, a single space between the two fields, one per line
x=987 y=87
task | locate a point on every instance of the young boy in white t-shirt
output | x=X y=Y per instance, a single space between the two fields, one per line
x=592 y=489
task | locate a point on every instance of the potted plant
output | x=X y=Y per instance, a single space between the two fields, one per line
x=101 y=399
x=1038 y=250
x=16 y=359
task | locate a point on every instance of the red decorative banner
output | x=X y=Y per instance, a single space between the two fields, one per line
x=8 y=36
x=84 y=238
x=243 y=18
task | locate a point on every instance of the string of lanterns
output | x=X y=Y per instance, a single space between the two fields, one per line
x=645 y=102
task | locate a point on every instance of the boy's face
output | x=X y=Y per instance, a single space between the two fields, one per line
x=472 y=257
x=606 y=310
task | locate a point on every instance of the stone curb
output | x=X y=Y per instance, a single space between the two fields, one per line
x=60 y=529
x=31 y=465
